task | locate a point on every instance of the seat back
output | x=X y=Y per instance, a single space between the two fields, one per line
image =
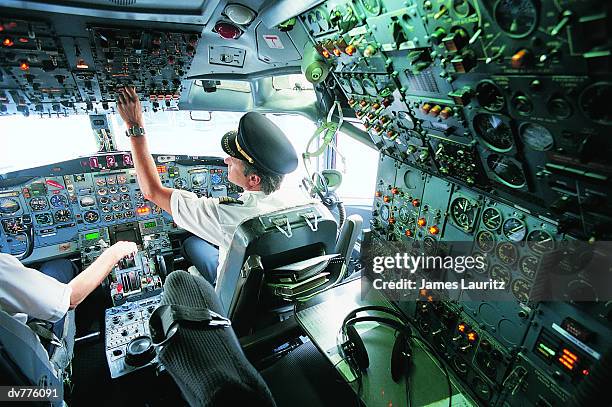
x=351 y=229
x=23 y=360
x=266 y=242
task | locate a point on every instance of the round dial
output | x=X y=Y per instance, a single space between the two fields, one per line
x=485 y=259
x=215 y=179
x=490 y=96
x=180 y=183
x=540 y=241
x=91 y=216
x=198 y=180
x=44 y=219
x=113 y=190
x=102 y=191
x=491 y=218
x=87 y=200
x=463 y=213
x=405 y=120
x=345 y=85
x=485 y=241
x=536 y=137
x=518 y=18
x=594 y=100
x=63 y=215
x=507 y=253
x=8 y=206
x=125 y=197
x=529 y=266
x=506 y=171
x=521 y=289
x=100 y=182
x=384 y=213
x=404 y=214
x=430 y=245
x=104 y=200
x=494 y=132
x=356 y=85
x=500 y=273
x=59 y=201
x=123 y=189
x=370 y=87
x=39 y=203
x=461 y=7
x=514 y=229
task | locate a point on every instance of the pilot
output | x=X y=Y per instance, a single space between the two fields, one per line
x=48 y=294
x=259 y=156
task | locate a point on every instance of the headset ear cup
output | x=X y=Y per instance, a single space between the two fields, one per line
x=360 y=353
x=401 y=357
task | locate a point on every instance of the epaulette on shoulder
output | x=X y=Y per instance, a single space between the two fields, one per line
x=228 y=200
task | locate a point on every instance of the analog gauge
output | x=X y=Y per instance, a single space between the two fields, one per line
x=404 y=120
x=91 y=216
x=536 y=137
x=8 y=206
x=491 y=218
x=384 y=213
x=105 y=209
x=117 y=207
x=322 y=19
x=118 y=215
x=127 y=205
x=372 y=7
x=138 y=196
x=430 y=245
x=485 y=261
x=156 y=209
x=129 y=214
x=87 y=200
x=463 y=213
x=500 y=273
x=518 y=18
x=462 y=8
x=481 y=388
x=123 y=189
x=108 y=218
x=111 y=181
x=485 y=241
x=63 y=215
x=594 y=100
x=345 y=85
x=13 y=226
x=507 y=253
x=356 y=85
x=370 y=87
x=490 y=96
x=113 y=190
x=180 y=183
x=39 y=203
x=44 y=219
x=215 y=179
x=125 y=197
x=559 y=107
x=506 y=171
x=59 y=201
x=494 y=132
x=102 y=191
x=514 y=229
x=529 y=266
x=521 y=289
x=540 y=241
x=121 y=179
x=115 y=198
x=198 y=180
x=104 y=200
x=404 y=214
x=100 y=182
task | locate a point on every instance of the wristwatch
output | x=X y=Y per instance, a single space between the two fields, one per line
x=135 y=131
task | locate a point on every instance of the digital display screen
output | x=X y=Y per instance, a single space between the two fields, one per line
x=126 y=235
x=92 y=236
x=150 y=225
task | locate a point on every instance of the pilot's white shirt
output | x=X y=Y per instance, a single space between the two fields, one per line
x=27 y=292
x=216 y=223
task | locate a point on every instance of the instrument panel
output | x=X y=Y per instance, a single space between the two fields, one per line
x=57 y=203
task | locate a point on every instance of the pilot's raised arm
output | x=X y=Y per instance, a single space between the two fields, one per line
x=259 y=156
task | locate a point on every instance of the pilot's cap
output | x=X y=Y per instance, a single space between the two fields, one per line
x=261 y=143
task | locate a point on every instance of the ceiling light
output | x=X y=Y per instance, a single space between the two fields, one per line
x=239 y=14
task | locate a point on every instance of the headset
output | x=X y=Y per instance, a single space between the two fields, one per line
x=354 y=352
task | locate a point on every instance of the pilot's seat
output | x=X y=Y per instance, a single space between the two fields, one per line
x=279 y=257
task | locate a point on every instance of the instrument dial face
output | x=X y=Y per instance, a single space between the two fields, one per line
x=485 y=241
x=404 y=214
x=180 y=183
x=506 y=171
x=91 y=216
x=345 y=85
x=100 y=182
x=430 y=245
x=8 y=206
x=39 y=203
x=63 y=215
x=529 y=266
x=494 y=132
x=44 y=219
x=102 y=191
x=59 y=201
x=507 y=253
x=540 y=242
x=384 y=212
x=356 y=85
x=536 y=137
x=13 y=226
x=490 y=96
x=463 y=212
x=491 y=218
x=500 y=273
x=462 y=8
x=370 y=87
x=517 y=18
x=198 y=180
x=215 y=179
x=521 y=289
x=514 y=229
x=87 y=200
x=485 y=259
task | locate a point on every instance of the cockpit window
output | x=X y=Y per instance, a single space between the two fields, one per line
x=292 y=82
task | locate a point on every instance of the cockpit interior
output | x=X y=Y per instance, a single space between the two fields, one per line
x=454 y=130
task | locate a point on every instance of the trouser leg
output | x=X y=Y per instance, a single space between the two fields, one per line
x=203 y=255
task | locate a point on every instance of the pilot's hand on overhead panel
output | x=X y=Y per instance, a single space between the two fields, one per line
x=129 y=107
x=121 y=249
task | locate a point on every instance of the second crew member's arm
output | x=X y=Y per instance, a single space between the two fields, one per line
x=131 y=111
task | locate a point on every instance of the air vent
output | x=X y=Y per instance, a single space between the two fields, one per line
x=123 y=2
